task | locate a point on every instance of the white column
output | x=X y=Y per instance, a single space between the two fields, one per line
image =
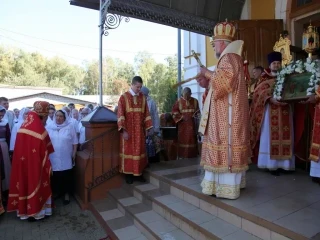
x=196 y=42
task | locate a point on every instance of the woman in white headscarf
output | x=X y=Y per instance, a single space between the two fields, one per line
x=22 y=116
x=64 y=140
x=5 y=164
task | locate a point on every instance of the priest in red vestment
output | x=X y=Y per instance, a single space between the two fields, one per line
x=134 y=121
x=183 y=112
x=271 y=123
x=315 y=140
x=30 y=191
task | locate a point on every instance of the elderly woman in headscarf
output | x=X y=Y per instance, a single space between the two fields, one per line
x=5 y=164
x=64 y=140
x=22 y=116
x=153 y=135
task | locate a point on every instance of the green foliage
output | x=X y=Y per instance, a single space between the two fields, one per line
x=21 y=68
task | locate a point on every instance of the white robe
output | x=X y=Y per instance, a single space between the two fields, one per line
x=224 y=185
x=264 y=160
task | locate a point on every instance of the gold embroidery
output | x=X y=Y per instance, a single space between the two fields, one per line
x=27 y=121
x=22 y=158
x=147 y=118
x=123 y=156
x=34 y=150
x=14 y=202
x=33 y=134
x=188 y=110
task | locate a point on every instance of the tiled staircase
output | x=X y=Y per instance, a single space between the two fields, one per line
x=159 y=210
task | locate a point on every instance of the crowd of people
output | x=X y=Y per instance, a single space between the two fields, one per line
x=38 y=147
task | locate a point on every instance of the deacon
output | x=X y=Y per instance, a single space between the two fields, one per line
x=183 y=113
x=30 y=191
x=224 y=122
x=270 y=117
x=134 y=121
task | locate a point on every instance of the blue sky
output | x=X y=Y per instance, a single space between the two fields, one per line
x=23 y=22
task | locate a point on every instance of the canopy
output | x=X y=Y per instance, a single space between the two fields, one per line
x=199 y=16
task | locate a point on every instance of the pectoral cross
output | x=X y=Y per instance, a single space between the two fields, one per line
x=196 y=57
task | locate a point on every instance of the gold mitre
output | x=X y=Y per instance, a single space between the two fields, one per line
x=224 y=31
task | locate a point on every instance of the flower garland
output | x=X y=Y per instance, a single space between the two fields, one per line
x=298 y=67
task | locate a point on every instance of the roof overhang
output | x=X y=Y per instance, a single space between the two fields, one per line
x=199 y=16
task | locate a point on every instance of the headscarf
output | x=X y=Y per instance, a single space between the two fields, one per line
x=4 y=120
x=16 y=127
x=55 y=126
x=21 y=118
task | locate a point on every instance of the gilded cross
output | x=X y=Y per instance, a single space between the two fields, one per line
x=318 y=123
x=195 y=56
x=22 y=158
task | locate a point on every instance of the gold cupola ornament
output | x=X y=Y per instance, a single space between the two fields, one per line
x=310 y=40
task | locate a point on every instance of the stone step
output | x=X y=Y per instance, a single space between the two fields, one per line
x=190 y=218
x=115 y=223
x=188 y=189
x=148 y=221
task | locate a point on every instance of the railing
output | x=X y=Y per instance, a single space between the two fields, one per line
x=103 y=160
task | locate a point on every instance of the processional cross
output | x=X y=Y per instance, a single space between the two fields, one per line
x=195 y=56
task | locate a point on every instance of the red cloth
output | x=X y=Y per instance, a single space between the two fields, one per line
x=31 y=168
x=183 y=111
x=134 y=117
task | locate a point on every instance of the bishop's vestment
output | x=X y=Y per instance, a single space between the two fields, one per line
x=225 y=125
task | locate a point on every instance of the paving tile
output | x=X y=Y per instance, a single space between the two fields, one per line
x=182 y=207
x=146 y=187
x=241 y=235
x=168 y=199
x=161 y=227
x=149 y=216
x=128 y=233
x=129 y=201
x=198 y=216
x=176 y=235
x=111 y=214
x=219 y=227
x=283 y=206
x=304 y=222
